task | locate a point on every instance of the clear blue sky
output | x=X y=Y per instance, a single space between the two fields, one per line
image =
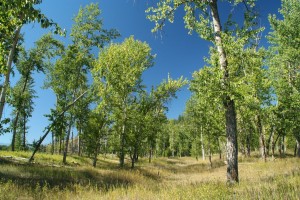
x=177 y=52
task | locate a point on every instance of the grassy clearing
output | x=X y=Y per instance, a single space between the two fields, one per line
x=176 y=178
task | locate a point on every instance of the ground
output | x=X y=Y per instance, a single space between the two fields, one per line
x=164 y=178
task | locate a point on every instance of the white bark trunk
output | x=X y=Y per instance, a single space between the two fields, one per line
x=8 y=68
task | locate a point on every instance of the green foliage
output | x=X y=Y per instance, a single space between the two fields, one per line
x=197 y=17
x=88 y=29
x=284 y=62
x=13 y=15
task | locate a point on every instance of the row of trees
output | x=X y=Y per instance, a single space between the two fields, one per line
x=114 y=108
x=244 y=90
x=256 y=89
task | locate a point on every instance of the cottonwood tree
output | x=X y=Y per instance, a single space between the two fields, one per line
x=208 y=107
x=203 y=17
x=118 y=71
x=284 y=64
x=21 y=98
x=13 y=15
x=148 y=116
x=163 y=94
x=95 y=132
x=36 y=59
x=69 y=75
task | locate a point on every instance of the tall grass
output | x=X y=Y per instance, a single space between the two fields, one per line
x=177 y=178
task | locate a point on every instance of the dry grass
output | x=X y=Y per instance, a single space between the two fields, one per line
x=176 y=178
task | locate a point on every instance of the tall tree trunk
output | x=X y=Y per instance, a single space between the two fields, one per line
x=96 y=155
x=209 y=152
x=232 y=146
x=150 y=154
x=209 y=157
x=24 y=133
x=283 y=146
x=8 y=68
x=122 y=150
x=79 y=142
x=230 y=114
x=270 y=140
x=53 y=144
x=66 y=147
x=248 y=143
x=298 y=147
x=72 y=143
x=60 y=144
x=273 y=145
x=202 y=144
x=261 y=139
x=15 y=124
x=220 y=149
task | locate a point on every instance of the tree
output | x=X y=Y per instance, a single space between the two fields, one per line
x=118 y=72
x=68 y=76
x=95 y=132
x=36 y=59
x=22 y=100
x=284 y=65
x=209 y=27
x=13 y=15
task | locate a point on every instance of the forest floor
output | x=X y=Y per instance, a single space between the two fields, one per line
x=164 y=178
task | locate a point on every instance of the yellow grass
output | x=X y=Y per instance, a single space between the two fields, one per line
x=164 y=178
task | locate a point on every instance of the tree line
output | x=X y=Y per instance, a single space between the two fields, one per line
x=245 y=98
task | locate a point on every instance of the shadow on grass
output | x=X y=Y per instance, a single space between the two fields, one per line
x=32 y=175
x=173 y=167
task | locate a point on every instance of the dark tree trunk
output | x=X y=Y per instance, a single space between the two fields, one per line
x=220 y=149
x=209 y=157
x=60 y=145
x=24 y=133
x=298 y=147
x=270 y=140
x=248 y=144
x=53 y=144
x=15 y=124
x=72 y=143
x=273 y=145
x=230 y=115
x=95 y=156
x=261 y=139
x=133 y=158
x=79 y=142
x=283 y=146
x=232 y=146
x=67 y=140
x=150 y=154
